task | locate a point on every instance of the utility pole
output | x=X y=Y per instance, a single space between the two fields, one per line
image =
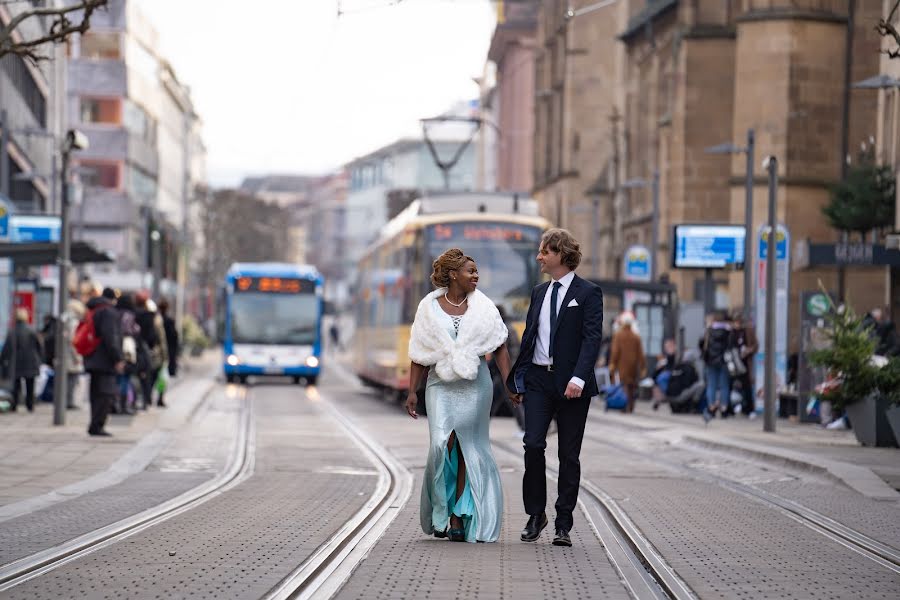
x=4 y=156
x=771 y=282
x=617 y=193
x=75 y=140
x=654 y=233
x=748 y=226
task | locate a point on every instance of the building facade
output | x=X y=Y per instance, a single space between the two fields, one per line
x=146 y=156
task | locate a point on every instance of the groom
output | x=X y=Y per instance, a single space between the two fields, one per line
x=555 y=372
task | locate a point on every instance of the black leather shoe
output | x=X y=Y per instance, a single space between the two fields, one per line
x=101 y=433
x=534 y=527
x=562 y=537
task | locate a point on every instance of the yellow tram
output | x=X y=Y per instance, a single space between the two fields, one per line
x=500 y=231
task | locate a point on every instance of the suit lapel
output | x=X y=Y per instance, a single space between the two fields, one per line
x=570 y=294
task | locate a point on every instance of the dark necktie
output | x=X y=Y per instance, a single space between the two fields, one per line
x=554 y=299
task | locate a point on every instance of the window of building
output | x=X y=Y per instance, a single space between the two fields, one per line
x=23 y=82
x=101 y=110
x=102 y=174
x=141 y=186
x=138 y=122
x=101 y=46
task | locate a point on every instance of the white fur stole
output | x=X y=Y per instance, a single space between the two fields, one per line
x=481 y=330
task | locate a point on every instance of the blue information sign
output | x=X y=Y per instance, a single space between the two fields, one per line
x=708 y=246
x=5 y=211
x=34 y=228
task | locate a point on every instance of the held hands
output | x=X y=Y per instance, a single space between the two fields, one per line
x=572 y=391
x=411 y=401
x=516 y=399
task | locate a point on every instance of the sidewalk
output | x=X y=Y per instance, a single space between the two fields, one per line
x=874 y=472
x=40 y=461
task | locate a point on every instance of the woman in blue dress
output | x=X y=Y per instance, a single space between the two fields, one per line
x=454 y=328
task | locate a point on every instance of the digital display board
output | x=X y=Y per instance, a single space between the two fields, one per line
x=708 y=246
x=276 y=285
x=479 y=232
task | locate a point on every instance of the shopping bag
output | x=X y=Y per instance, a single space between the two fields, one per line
x=162 y=381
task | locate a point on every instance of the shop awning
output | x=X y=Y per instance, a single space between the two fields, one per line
x=36 y=254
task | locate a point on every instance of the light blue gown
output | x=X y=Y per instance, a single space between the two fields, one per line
x=462 y=406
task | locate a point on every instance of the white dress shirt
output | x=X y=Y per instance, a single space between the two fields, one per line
x=542 y=344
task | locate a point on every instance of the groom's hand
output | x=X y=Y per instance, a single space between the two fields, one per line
x=516 y=399
x=572 y=391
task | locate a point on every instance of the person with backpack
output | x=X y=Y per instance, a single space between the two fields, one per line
x=98 y=339
x=154 y=335
x=134 y=352
x=717 y=341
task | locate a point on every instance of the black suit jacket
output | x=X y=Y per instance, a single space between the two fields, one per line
x=576 y=342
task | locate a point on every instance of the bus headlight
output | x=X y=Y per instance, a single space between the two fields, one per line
x=233 y=360
x=312 y=361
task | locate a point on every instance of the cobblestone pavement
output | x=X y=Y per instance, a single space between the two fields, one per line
x=195 y=455
x=406 y=563
x=307 y=481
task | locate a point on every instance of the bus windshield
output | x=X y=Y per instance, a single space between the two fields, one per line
x=505 y=254
x=274 y=318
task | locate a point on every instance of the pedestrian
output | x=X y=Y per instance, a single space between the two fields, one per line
x=717 y=340
x=748 y=345
x=454 y=328
x=135 y=353
x=23 y=341
x=885 y=332
x=173 y=346
x=75 y=311
x=663 y=371
x=47 y=336
x=104 y=361
x=555 y=373
x=335 y=334
x=627 y=362
x=153 y=334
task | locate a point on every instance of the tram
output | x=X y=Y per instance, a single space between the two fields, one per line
x=500 y=231
x=272 y=321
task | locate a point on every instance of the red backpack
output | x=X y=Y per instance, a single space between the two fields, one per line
x=86 y=340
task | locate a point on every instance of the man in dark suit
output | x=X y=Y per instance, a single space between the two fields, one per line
x=555 y=373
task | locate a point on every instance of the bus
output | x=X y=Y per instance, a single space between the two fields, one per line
x=500 y=231
x=272 y=321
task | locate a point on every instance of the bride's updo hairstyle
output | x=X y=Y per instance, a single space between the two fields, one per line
x=451 y=260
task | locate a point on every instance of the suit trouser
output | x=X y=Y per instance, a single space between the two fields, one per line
x=542 y=402
x=29 y=392
x=103 y=393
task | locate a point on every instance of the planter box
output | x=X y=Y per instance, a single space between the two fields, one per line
x=893 y=417
x=869 y=420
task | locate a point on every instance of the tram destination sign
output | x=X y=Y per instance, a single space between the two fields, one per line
x=703 y=246
x=275 y=285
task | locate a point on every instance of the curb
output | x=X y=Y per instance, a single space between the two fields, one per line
x=857 y=478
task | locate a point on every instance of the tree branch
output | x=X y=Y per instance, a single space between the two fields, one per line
x=60 y=28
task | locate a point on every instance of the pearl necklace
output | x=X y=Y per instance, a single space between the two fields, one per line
x=463 y=301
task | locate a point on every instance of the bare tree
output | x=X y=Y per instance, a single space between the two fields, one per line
x=63 y=22
x=888 y=28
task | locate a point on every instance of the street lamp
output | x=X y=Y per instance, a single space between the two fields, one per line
x=653 y=184
x=75 y=140
x=748 y=150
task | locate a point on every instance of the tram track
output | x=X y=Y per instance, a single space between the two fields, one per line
x=323 y=573
x=833 y=530
x=641 y=567
x=238 y=469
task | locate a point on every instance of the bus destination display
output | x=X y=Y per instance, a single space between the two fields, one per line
x=479 y=232
x=708 y=246
x=276 y=285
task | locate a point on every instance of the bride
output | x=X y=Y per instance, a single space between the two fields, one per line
x=454 y=327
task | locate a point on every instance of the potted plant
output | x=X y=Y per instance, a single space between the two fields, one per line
x=863 y=388
x=889 y=384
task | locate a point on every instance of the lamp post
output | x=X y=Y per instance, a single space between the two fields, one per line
x=770 y=164
x=748 y=150
x=653 y=184
x=75 y=140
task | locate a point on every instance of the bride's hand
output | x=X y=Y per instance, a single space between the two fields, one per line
x=411 y=401
x=516 y=399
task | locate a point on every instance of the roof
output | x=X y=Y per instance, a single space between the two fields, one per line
x=273 y=269
x=36 y=254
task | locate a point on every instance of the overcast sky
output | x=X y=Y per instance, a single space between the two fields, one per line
x=287 y=86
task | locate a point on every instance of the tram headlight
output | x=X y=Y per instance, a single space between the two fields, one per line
x=233 y=360
x=312 y=361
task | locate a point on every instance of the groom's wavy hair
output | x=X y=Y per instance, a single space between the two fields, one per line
x=563 y=242
x=451 y=260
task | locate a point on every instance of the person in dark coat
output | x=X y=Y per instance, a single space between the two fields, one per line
x=104 y=363
x=28 y=357
x=172 y=341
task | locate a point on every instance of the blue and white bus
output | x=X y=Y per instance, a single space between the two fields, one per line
x=273 y=321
